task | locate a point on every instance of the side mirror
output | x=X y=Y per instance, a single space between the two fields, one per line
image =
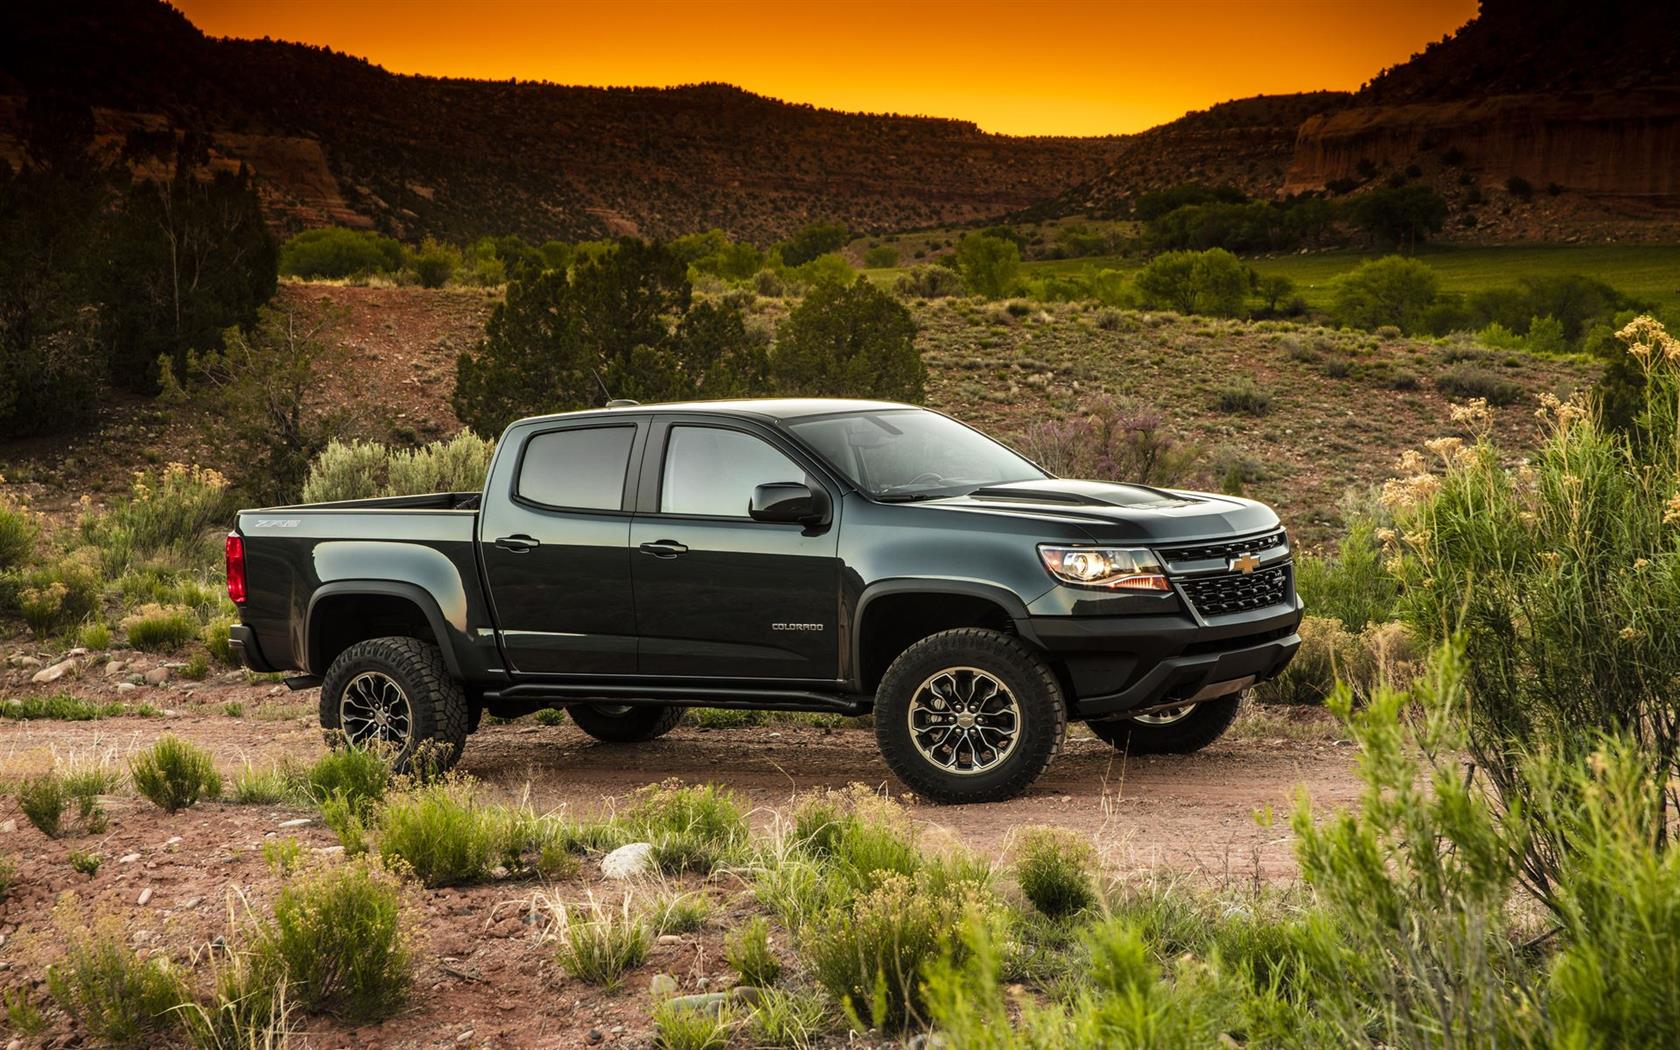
x=790 y=502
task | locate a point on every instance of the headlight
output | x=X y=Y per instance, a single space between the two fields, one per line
x=1111 y=568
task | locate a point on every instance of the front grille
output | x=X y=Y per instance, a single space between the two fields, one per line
x=1237 y=592
x=1227 y=549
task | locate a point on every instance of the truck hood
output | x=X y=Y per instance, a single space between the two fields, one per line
x=1118 y=513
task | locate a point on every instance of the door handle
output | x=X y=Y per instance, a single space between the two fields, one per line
x=663 y=548
x=518 y=544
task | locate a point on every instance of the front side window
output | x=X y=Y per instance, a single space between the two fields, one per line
x=711 y=472
x=910 y=453
x=581 y=469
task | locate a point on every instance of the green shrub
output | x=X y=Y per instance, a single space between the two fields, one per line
x=831 y=269
x=551 y=716
x=337 y=252
x=174 y=774
x=1243 y=395
x=110 y=992
x=442 y=835
x=1352 y=585
x=600 y=947
x=362 y=470
x=42 y=801
x=990 y=266
x=435 y=263
x=849 y=341
x=1056 y=870
x=691 y=828
x=22 y=1015
x=85 y=861
x=19 y=532
x=357 y=776
x=870 y=955
x=95 y=636
x=59 y=594
x=177 y=511
x=1112 y=440
x=262 y=787
x=153 y=628
x=747 y=949
x=1468 y=381
x=679 y=1026
x=1391 y=290
x=929 y=282
x=820 y=238
x=61 y=707
x=881 y=257
x=346 y=470
x=1213 y=282
x=340 y=941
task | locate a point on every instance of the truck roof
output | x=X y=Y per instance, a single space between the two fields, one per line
x=763 y=408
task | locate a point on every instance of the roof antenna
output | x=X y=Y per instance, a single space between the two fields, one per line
x=612 y=402
x=602 y=383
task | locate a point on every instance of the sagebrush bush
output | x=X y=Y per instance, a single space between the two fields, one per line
x=340 y=940
x=365 y=469
x=1243 y=395
x=1056 y=870
x=599 y=944
x=1111 y=440
x=42 y=799
x=929 y=282
x=117 y=997
x=57 y=594
x=174 y=774
x=1468 y=382
x=157 y=627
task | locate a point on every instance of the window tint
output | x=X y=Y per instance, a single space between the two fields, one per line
x=713 y=472
x=577 y=468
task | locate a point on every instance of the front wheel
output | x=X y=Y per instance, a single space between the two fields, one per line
x=625 y=723
x=396 y=695
x=1173 y=730
x=969 y=715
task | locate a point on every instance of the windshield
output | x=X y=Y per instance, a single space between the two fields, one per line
x=911 y=454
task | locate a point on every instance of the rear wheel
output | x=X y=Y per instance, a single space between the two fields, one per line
x=625 y=723
x=396 y=695
x=1173 y=730
x=969 y=715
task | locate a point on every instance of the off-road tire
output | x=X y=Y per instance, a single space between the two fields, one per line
x=1205 y=723
x=438 y=707
x=1038 y=697
x=641 y=722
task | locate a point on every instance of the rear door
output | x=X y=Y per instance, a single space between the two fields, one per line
x=556 y=549
x=719 y=595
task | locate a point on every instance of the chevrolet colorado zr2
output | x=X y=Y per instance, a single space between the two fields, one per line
x=788 y=555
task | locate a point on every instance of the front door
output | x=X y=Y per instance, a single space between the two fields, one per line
x=719 y=595
x=557 y=556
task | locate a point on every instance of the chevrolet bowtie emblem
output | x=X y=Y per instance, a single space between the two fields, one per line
x=1245 y=563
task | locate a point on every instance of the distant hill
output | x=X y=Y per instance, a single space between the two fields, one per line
x=334 y=138
x=1576 y=106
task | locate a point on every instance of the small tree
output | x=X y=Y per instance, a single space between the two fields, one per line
x=624 y=320
x=265 y=394
x=435 y=263
x=1391 y=290
x=990 y=266
x=881 y=257
x=849 y=341
x=1401 y=217
x=814 y=240
x=1211 y=282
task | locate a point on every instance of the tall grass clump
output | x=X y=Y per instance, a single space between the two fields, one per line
x=441 y=833
x=598 y=944
x=748 y=951
x=1056 y=870
x=691 y=828
x=1562 y=574
x=174 y=774
x=152 y=628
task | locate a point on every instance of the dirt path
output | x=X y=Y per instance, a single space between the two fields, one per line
x=1194 y=813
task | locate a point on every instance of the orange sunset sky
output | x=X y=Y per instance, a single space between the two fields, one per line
x=1054 y=67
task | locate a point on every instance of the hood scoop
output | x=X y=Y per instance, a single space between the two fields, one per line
x=1086 y=494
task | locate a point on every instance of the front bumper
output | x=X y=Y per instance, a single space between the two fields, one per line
x=1117 y=664
x=243 y=641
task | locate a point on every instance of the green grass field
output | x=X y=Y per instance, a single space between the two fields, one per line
x=1649 y=272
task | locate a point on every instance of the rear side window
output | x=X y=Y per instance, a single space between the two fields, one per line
x=581 y=469
x=712 y=472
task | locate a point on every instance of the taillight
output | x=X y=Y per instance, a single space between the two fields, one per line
x=236 y=568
